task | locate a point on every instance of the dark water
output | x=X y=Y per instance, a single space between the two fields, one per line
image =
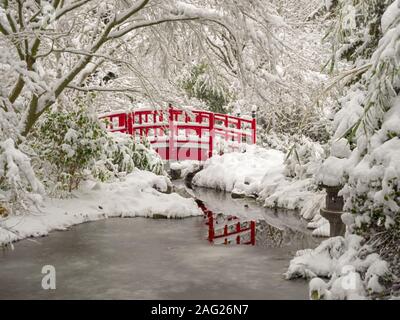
x=275 y=228
x=140 y=258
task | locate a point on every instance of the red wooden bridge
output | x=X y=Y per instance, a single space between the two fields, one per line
x=183 y=134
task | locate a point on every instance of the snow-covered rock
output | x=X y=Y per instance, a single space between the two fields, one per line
x=242 y=171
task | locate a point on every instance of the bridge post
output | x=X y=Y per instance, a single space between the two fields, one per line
x=171 y=142
x=210 y=228
x=129 y=122
x=238 y=230
x=254 y=130
x=226 y=234
x=253 y=233
x=239 y=127
x=211 y=135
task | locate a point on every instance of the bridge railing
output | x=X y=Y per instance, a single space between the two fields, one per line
x=183 y=134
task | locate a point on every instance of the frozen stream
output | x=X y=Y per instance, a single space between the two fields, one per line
x=142 y=258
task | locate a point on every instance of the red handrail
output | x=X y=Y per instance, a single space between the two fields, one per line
x=179 y=134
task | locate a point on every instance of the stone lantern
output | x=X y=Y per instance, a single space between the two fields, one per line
x=334 y=210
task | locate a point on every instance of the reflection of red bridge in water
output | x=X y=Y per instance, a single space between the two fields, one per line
x=228 y=229
x=184 y=135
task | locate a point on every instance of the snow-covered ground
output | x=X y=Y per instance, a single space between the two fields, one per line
x=259 y=172
x=139 y=194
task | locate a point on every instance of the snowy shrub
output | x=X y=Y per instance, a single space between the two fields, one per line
x=273 y=140
x=72 y=146
x=303 y=158
x=294 y=120
x=145 y=158
x=69 y=143
x=122 y=154
x=299 y=188
x=303 y=155
x=18 y=183
x=19 y=186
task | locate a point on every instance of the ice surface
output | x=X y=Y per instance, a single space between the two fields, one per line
x=145 y=259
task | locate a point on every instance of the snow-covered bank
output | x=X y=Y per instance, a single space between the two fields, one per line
x=259 y=172
x=353 y=268
x=135 y=196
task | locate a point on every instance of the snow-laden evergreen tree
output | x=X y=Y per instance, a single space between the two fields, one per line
x=355 y=30
x=365 y=150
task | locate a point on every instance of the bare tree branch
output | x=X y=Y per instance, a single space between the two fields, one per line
x=72 y=6
x=104 y=89
x=120 y=33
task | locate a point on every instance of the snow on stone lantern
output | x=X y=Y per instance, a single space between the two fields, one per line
x=330 y=177
x=333 y=211
x=254 y=111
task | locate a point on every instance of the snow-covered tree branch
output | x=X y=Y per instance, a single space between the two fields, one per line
x=46 y=35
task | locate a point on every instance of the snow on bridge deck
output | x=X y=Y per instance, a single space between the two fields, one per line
x=182 y=134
